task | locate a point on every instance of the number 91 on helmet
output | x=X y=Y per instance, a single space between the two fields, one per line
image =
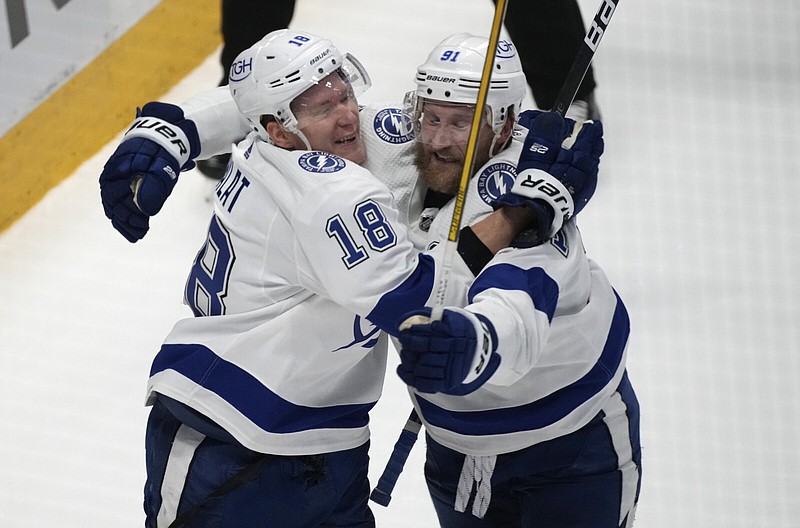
x=451 y=76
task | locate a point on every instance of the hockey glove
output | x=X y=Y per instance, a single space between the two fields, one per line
x=451 y=356
x=141 y=173
x=556 y=172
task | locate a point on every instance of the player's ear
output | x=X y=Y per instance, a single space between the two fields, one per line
x=508 y=126
x=277 y=133
x=502 y=139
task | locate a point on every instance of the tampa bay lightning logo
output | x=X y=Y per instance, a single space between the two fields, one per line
x=363 y=334
x=505 y=49
x=496 y=180
x=320 y=162
x=392 y=126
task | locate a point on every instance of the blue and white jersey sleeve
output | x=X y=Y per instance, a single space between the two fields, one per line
x=562 y=334
x=523 y=291
x=218 y=120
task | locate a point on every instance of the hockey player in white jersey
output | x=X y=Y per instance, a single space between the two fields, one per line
x=545 y=432
x=546 y=435
x=530 y=418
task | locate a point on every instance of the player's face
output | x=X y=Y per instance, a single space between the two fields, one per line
x=442 y=136
x=327 y=114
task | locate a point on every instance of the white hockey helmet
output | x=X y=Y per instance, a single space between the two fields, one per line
x=452 y=73
x=267 y=77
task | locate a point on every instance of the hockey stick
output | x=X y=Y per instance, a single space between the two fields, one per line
x=584 y=58
x=469 y=161
x=382 y=492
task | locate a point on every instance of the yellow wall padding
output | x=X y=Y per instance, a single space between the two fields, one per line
x=97 y=103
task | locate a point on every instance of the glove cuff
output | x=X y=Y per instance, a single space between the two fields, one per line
x=486 y=343
x=537 y=184
x=167 y=135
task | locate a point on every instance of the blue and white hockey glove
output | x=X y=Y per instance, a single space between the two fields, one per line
x=454 y=355
x=140 y=175
x=556 y=172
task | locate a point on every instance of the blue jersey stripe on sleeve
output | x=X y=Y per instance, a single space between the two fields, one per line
x=412 y=294
x=542 y=289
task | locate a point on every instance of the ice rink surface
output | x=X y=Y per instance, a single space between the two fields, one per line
x=694 y=222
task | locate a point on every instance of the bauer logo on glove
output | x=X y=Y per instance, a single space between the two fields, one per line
x=169 y=136
x=139 y=176
x=556 y=172
x=540 y=184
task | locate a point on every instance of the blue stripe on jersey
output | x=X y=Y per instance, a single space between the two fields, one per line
x=259 y=404
x=548 y=410
x=538 y=284
x=412 y=294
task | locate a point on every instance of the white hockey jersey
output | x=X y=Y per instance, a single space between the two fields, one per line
x=305 y=260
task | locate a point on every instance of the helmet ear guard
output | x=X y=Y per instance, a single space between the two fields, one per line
x=268 y=76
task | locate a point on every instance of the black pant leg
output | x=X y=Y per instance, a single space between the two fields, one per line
x=548 y=35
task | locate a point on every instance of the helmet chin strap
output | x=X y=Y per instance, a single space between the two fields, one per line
x=497 y=135
x=303 y=138
x=293 y=127
x=492 y=153
x=492 y=146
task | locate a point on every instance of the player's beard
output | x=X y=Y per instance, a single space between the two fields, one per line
x=440 y=170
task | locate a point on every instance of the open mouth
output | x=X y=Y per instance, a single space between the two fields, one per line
x=344 y=141
x=446 y=159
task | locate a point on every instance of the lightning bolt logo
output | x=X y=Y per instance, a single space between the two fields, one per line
x=320 y=162
x=392 y=127
x=495 y=180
